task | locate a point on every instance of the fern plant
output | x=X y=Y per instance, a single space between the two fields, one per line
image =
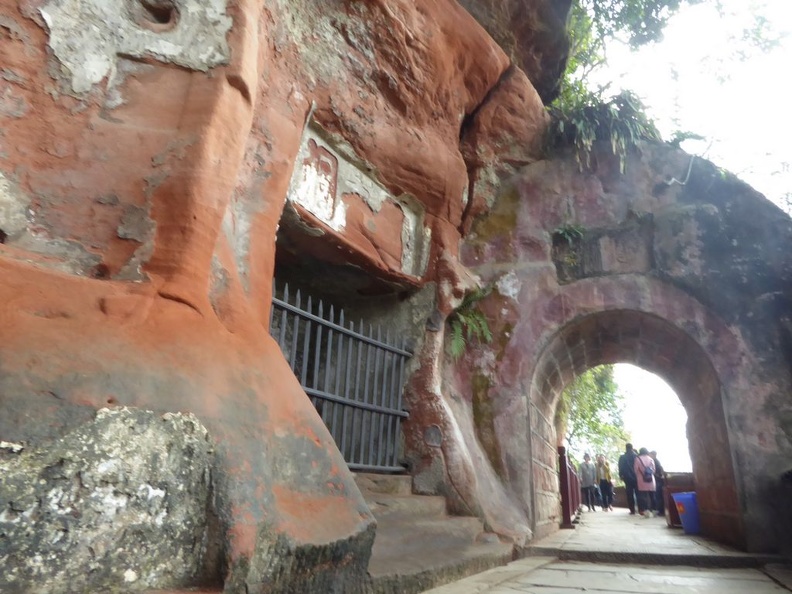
x=570 y=232
x=681 y=136
x=580 y=119
x=468 y=323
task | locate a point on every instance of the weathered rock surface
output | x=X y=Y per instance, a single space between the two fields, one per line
x=505 y=135
x=155 y=164
x=118 y=504
x=146 y=162
x=533 y=34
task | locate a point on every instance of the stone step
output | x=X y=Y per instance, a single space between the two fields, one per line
x=396 y=533
x=418 y=546
x=385 y=505
x=197 y=590
x=426 y=566
x=394 y=484
x=415 y=553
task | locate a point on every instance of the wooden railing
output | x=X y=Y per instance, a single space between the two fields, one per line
x=570 y=489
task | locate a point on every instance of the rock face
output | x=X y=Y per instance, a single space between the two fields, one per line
x=119 y=503
x=533 y=34
x=160 y=160
x=150 y=154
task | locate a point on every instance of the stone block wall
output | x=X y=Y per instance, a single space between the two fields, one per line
x=676 y=298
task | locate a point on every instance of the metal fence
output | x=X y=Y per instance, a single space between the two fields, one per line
x=354 y=379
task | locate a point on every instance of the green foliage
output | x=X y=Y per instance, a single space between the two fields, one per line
x=583 y=115
x=681 y=136
x=636 y=22
x=593 y=24
x=584 y=118
x=586 y=52
x=569 y=232
x=468 y=323
x=589 y=413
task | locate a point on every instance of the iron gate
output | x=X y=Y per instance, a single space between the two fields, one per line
x=354 y=380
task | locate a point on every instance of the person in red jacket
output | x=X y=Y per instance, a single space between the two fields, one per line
x=644 y=468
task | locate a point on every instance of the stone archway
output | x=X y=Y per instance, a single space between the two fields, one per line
x=659 y=346
x=691 y=281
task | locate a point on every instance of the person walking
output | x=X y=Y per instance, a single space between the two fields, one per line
x=588 y=477
x=645 y=471
x=627 y=476
x=605 y=482
x=660 y=478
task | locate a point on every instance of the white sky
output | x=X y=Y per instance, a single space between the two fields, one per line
x=654 y=416
x=695 y=81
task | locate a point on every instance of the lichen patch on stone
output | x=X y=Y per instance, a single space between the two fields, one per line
x=89 y=511
x=88 y=35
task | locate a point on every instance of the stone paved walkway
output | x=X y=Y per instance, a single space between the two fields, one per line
x=619 y=553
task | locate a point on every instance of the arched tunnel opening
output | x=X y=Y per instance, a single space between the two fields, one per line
x=654 y=344
x=654 y=416
x=611 y=405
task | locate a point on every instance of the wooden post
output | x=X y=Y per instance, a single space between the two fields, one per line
x=567 y=499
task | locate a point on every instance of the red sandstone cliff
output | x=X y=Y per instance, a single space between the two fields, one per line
x=148 y=151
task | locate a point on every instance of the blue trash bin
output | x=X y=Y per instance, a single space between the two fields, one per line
x=688 y=511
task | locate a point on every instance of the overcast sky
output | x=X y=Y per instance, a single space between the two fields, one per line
x=704 y=78
x=654 y=416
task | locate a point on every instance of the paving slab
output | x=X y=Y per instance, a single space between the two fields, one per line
x=598 y=556
x=570 y=576
x=573 y=577
x=618 y=536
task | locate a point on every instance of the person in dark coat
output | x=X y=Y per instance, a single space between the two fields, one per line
x=660 y=478
x=627 y=475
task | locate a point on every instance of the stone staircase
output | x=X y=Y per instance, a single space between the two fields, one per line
x=418 y=545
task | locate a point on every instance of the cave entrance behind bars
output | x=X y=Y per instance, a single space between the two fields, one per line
x=352 y=371
x=349 y=301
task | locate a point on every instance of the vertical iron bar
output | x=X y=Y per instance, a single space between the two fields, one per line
x=399 y=396
x=374 y=416
x=317 y=355
x=390 y=458
x=295 y=332
x=307 y=349
x=328 y=405
x=317 y=348
x=357 y=427
x=364 y=398
x=344 y=436
x=273 y=308
x=282 y=334
x=382 y=445
x=337 y=384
